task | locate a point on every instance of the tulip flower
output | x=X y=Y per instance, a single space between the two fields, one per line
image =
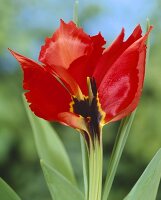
x=82 y=84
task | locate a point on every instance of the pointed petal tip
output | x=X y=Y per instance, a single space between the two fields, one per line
x=11 y=51
x=121 y=36
x=138 y=27
x=145 y=37
x=23 y=60
x=150 y=28
x=122 y=30
x=63 y=23
x=99 y=38
x=137 y=31
x=16 y=55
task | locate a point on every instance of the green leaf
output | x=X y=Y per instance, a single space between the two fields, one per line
x=49 y=146
x=6 y=192
x=60 y=188
x=147 y=186
x=119 y=145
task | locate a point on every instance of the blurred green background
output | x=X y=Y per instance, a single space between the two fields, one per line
x=23 y=27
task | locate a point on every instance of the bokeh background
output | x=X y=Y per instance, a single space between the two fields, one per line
x=23 y=27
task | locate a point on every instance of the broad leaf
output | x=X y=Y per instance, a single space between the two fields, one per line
x=60 y=188
x=6 y=192
x=147 y=186
x=49 y=146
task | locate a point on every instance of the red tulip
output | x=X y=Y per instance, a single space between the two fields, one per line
x=80 y=83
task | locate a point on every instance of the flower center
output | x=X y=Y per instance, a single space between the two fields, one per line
x=89 y=108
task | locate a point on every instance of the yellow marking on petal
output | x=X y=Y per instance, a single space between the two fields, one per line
x=71 y=105
x=83 y=97
x=89 y=89
x=103 y=114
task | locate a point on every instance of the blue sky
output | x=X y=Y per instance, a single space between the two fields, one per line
x=45 y=15
x=115 y=14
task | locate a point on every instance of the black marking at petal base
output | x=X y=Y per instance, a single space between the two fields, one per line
x=81 y=107
x=90 y=110
x=94 y=123
x=93 y=86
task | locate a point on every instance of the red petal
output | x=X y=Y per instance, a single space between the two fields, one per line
x=114 y=51
x=68 y=81
x=70 y=46
x=67 y=44
x=98 y=43
x=84 y=66
x=121 y=87
x=80 y=70
x=45 y=94
x=72 y=120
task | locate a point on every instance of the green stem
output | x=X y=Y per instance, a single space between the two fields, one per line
x=121 y=139
x=75 y=12
x=95 y=170
x=85 y=165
